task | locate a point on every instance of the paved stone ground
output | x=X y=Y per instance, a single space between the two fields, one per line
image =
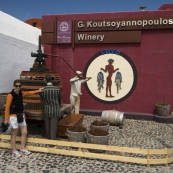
x=135 y=133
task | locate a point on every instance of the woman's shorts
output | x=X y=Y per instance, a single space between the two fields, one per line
x=13 y=122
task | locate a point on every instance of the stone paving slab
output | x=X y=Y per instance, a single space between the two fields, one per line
x=135 y=133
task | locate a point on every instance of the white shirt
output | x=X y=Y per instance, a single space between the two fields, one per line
x=76 y=86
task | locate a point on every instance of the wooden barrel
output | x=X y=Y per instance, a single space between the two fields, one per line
x=113 y=117
x=3 y=97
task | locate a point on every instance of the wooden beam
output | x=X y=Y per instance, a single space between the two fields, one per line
x=79 y=153
x=81 y=145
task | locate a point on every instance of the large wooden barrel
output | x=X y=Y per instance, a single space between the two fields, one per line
x=3 y=97
x=113 y=117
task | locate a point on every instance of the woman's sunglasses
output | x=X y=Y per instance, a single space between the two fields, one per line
x=17 y=86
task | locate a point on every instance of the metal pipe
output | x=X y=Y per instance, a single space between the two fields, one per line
x=66 y=63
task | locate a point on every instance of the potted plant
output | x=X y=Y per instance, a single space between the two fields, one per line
x=162 y=109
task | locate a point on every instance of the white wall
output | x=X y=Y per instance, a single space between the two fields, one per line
x=14 y=58
x=18 y=29
x=17 y=41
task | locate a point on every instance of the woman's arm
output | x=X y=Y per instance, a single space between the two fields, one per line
x=7 y=108
x=28 y=93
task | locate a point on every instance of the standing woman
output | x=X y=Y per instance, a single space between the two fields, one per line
x=15 y=117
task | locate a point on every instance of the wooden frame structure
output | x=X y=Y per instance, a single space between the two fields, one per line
x=146 y=152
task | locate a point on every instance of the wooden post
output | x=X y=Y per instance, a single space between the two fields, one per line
x=166 y=157
x=79 y=151
x=148 y=157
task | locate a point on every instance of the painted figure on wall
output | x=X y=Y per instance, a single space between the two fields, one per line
x=110 y=69
x=100 y=81
x=118 y=80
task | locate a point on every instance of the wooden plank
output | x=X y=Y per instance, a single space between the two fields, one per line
x=170 y=160
x=170 y=150
x=110 y=37
x=81 y=145
x=80 y=154
x=31 y=87
x=131 y=150
x=5 y=145
x=48 y=38
x=31 y=101
x=91 y=155
x=7 y=137
x=87 y=145
x=157 y=161
x=48 y=27
x=157 y=151
x=32 y=96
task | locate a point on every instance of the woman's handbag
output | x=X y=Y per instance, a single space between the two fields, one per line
x=20 y=118
x=3 y=127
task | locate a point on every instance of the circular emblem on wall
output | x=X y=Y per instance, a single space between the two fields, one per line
x=64 y=26
x=114 y=76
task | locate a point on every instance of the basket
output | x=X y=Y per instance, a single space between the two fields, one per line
x=76 y=136
x=97 y=140
x=106 y=128
x=162 y=110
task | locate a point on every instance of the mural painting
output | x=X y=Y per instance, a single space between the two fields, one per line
x=108 y=67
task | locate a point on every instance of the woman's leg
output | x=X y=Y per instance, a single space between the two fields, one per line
x=13 y=139
x=24 y=133
x=14 y=130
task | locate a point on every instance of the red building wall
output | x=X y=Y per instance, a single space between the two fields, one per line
x=153 y=59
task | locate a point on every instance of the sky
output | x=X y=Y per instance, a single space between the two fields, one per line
x=28 y=9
